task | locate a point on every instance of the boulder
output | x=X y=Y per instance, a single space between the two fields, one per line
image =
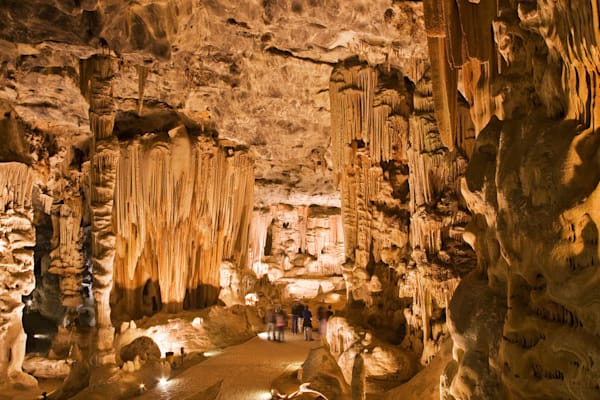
x=144 y=347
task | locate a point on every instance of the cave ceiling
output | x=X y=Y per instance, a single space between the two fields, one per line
x=255 y=71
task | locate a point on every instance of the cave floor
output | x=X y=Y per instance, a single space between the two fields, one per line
x=239 y=372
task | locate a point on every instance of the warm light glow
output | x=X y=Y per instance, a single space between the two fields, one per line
x=264 y=396
x=263 y=335
x=212 y=353
x=162 y=336
x=142 y=386
x=197 y=322
x=41 y=336
x=162 y=381
x=334 y=297
x=251 y=299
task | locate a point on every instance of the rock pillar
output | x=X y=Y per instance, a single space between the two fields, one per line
x=17 y=238
x=96 y=75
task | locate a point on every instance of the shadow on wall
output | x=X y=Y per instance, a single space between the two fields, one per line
x=127 y=303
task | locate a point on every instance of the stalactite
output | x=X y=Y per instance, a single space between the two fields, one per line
x=399 y=142
x=17 y=238
x=164 y=183
x=295 y=233
x=142 y=72
x=368 y=129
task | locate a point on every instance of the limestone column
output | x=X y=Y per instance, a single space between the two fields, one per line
x=17 y=238
x=96 y=75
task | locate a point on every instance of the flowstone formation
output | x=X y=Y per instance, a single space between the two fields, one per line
x=17 y=238
x=403 y=219
x=164 y=182
x=524 y=324
x=95 y=78
x=299 y=248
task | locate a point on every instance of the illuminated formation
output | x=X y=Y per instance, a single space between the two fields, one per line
x=298 y=246
x=402 y=219
x=17 y=236
x=171 y=169
x=95 y=79
x=523 y=324
x=190 y=192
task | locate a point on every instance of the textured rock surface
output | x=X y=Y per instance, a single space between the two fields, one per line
x=290 y=241
x=142 y=347
x=524 y=325
x=268 y=91
x=17 y=238
x=403 y=218
x=95 y=79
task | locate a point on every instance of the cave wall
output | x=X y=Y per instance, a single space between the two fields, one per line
x=524 y=324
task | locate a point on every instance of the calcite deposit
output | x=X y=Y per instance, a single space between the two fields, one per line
x=524 y=323
x=431 y=163
x=17 y=237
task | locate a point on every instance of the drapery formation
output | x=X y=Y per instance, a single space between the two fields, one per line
x=402 y=217
x=182 y=205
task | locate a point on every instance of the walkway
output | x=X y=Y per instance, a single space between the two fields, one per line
x=246 y=371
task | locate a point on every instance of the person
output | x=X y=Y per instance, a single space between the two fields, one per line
x=270 y=320
x=323 y=322
x=297 y=309
x=280 y=324
x=307 y=324
x=322 y=316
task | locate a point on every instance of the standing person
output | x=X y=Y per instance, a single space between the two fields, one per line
x=280 y=324
x=322 y=316
x=270 y=320
x=295 y=315
x=323 y=323
x=307 y=324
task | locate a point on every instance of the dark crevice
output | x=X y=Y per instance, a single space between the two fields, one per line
x=286 y=53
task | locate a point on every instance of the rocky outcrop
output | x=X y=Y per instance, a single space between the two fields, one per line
x=143 y=347
x=359 y=353
x=17 y=238
x=524 y=324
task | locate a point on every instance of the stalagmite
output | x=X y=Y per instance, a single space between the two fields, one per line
x=96 y=74
x=17 y=238
x=66 y=256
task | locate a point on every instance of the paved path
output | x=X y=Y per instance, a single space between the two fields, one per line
x=247 y=371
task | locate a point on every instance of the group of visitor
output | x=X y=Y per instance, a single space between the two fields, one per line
x=277 y=320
